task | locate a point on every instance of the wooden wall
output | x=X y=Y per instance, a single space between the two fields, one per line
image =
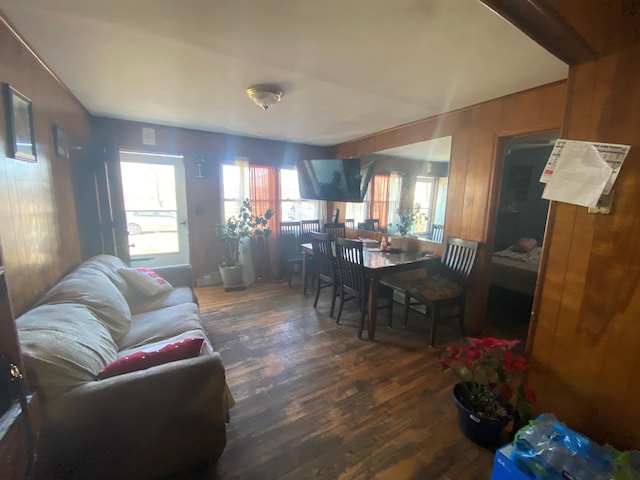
x=586 y=344
x=38 y=226
x=205 y=250
x=474 y=174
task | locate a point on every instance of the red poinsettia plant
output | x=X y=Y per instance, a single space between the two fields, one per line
x=490 y=375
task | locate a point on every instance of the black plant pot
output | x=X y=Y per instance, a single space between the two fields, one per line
x=482 y=431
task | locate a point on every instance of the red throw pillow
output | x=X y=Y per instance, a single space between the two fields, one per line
x=187 y=348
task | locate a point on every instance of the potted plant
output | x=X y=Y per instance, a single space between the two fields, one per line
x=407 y=218
x=490 y=392
x=232 y=231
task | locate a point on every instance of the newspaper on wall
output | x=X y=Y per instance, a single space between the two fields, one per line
x=579 y=172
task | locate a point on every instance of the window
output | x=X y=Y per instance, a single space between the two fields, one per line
x=241 y=181
x=356 y=211
x=292 y=207
x=381 y=201
x=423 y=200
x=235 y=188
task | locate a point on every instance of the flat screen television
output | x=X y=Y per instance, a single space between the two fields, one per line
x=337 y=180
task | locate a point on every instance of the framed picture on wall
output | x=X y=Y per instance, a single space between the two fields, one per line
x=60 y=142
x=21 y=141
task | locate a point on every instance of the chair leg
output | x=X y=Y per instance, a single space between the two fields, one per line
x=362 y=315
x=334 y=293
x=341 y=305
x=289 y=275
x=407 y=304
x=435 y=314
x=315 y=303
x=390 y=313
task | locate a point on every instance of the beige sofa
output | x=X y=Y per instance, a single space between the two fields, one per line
x=141 y=424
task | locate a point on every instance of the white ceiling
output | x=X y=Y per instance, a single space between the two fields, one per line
x=348 y=68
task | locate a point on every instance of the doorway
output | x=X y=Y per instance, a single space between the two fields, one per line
x=155 y=204
x=519 y=233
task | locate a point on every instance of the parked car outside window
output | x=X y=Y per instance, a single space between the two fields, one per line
x=143 y=221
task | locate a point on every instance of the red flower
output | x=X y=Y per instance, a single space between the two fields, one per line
x=513 y=363
x=529 y=395
x=493 y=372
x=506 y=392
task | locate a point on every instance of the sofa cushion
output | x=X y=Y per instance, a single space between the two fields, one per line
x=145 y=281
x=158 y=325
x=109 y=265
x=152 y=346
x=64 y=345
x=143 y=359
x=92 y=288
x=175 y=296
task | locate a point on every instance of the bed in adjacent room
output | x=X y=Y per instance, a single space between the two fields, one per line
x=515 y=269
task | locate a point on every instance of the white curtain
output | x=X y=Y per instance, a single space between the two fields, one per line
x=243 y=164
x=322 y=213
x=395 y=189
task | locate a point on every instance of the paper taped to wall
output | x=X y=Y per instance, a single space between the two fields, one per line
x=579 y=172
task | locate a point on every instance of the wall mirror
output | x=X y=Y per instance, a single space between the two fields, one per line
x=408 y=190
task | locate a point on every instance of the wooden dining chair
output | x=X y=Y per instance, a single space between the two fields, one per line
x=326 y=272
x=446 y=288
x=336 y=230
x=353 y=282
x=306 y=227
x=290 y=254
x=372 y=224
x=437 y=233
x=349 y=222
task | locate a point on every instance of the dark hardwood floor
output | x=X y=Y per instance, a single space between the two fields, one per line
x=314 y=401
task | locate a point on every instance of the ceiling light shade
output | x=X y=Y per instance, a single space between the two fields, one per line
x=265 y=96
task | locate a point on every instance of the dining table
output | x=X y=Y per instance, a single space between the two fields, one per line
x=378 y=264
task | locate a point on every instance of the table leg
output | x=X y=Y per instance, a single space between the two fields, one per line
x=373 y=311
x=304 y=273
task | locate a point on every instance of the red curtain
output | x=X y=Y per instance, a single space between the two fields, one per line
x=262 y=193
x=379 y=206
x=262 y=190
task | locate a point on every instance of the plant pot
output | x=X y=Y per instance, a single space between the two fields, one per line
x=482 y=431
x=232 y=277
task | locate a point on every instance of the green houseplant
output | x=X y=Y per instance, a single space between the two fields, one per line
x=233 y=231
x=407 y=218
x=490 y=392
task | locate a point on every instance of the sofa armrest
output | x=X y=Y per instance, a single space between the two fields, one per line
x=142 y=424
x=177 y=275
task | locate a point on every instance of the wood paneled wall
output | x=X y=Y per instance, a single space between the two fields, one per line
x=586 y=347
x=475 y=169
x=206 y=250
x=38 y=227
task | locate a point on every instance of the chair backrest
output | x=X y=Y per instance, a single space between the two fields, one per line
x=458 y=259
x=372 y=224
x=360 y=226
x=336 y=230
x=290 y=228
x=349 y=222
x=306 y=227
x=323 y=255
x=350 y=260
x=437 y=233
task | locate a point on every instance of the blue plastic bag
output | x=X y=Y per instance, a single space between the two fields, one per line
x=547 y=449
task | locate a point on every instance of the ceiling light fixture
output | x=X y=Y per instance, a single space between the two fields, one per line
x=265 y=96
